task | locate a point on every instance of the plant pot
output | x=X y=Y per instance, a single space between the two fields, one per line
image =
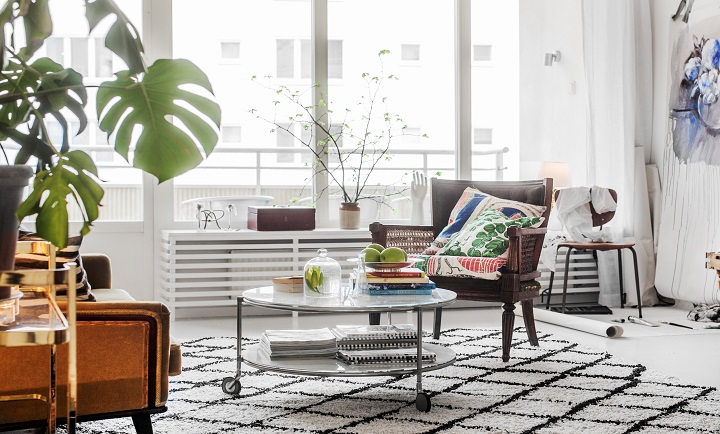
x=349 y=215
x=13 y=179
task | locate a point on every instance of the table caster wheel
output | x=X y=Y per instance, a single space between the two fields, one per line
x=230 y=385
x=422 y=402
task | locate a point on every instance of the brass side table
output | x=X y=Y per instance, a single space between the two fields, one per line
x=39 y=321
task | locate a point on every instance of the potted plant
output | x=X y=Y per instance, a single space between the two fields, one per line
x=135 y=108
x=358 y=139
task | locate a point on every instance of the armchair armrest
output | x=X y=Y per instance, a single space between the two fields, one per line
x=98 y=269
x=411 y=238
x=524 y=251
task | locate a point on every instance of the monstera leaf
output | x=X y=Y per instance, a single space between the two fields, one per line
x=74 y=175
x=163 y=148
x=123 y=38
x=38 y=25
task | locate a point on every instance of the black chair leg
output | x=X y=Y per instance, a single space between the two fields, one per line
x=508 y=321
x=620 y=271
x=549 y=290
x=143 y=424
x=565 y=278
x=374 y=318
x=436 y=325
x=637 y=282
x=529 y=318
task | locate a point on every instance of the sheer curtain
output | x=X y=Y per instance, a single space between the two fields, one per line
x=617 y=55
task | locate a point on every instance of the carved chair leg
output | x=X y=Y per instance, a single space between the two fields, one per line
x=508 y=321
x=529 y=318
x=143 y=424
x=374 y=318
x=436 y=325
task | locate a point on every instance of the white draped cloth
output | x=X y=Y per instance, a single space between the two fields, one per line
x=572 y=210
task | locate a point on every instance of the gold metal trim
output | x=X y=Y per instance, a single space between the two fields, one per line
x=58 y=329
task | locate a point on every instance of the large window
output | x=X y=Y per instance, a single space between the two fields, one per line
x=272 y=41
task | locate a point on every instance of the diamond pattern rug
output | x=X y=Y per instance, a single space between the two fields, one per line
x=559 y=387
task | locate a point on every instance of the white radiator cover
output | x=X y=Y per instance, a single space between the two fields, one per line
x=583 y=281
x=201 y=271
x=209 y=269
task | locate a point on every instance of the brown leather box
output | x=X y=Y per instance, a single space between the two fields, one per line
x=281 y=218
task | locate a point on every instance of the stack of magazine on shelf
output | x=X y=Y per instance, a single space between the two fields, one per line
x=404 y=281
x=373 y=344
x=299 y=343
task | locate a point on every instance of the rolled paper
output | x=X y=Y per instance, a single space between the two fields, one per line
x=576 y=323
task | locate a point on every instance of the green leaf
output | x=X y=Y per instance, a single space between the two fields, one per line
x=162 y=149
x=74 y=175
x=38 y=25
x=122 y=38
x=30 y=146
x=6 y=17
x=15 y=83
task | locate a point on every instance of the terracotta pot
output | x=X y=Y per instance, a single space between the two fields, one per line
x=349 y=215
x=13 y=179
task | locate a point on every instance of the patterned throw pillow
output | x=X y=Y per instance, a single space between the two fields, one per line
x=470 y=205
x=71 y=253
x=486 y=235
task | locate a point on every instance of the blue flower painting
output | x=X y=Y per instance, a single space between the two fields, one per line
x=695 y=112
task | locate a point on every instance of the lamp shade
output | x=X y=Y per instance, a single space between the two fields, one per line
x=558 y=171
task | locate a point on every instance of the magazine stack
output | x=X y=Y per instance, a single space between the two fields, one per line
x=373 y=344
x=299 y=343
x=403 y=281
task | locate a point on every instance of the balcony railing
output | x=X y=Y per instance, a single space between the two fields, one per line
x=123 y=201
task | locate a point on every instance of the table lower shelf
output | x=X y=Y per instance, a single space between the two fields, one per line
x=327 y=367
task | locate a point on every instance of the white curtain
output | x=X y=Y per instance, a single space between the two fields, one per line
x=617 y=54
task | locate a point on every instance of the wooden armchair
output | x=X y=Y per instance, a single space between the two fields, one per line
x=517 y=283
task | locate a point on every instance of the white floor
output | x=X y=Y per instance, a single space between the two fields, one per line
x=690 y=355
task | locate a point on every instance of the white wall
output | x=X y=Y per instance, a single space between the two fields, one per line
x=552 y=119
x=131 y=260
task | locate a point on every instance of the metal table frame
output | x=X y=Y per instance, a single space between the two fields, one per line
x=298 y=303
x=45 y=325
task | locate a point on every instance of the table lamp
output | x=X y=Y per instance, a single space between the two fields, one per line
x=559 y=172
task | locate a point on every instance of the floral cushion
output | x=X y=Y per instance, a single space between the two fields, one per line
x=486 y=235
x=472 y=203
x=462 y=266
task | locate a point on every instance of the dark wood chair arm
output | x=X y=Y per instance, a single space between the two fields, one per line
x=411 y=238
x=524 y=251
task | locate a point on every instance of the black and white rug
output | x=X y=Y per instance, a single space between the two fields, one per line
x=559 y=387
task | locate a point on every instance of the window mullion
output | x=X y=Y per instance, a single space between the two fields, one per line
x=319 y=76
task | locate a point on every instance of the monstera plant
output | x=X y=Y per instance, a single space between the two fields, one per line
x=149 y=107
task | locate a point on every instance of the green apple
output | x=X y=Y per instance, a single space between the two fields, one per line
x=375 y=246
x=393 y=254
x=371 y=255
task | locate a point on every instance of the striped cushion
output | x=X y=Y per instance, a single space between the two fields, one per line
x=71 y=253
x=461 y=266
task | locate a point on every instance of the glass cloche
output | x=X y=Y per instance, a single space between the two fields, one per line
x=322 y=276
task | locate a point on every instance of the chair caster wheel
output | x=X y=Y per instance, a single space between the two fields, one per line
x=230 y=385
x=422 y=402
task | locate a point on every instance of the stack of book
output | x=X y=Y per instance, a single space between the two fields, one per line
x=405 y=281
x=374 y=344
x=302 y=343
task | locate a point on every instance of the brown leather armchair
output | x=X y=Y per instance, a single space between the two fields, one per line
x=124 y=359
